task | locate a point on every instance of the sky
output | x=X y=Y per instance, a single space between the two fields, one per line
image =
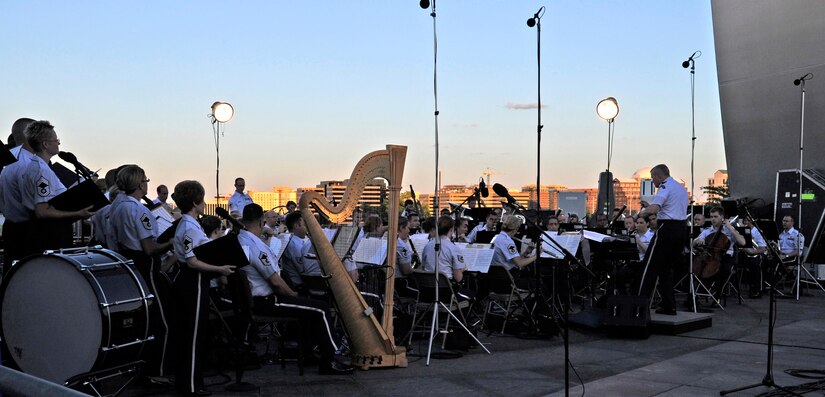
x=317 y=85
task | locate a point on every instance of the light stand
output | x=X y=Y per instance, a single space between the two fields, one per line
x=437 y=305
x=800 y=82
x=767 y=381
x=222 y=112
x=536 y=21
x=608 y=109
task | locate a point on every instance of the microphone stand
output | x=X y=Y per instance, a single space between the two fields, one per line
x=799 y=204
x=537 y=19
x=518 y=209
x=767 y=381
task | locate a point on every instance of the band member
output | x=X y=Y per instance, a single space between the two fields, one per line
x=670 y=206
x=239 y=199
x=601 y=221
x=461 y=226
x=191 y=288
x=409 y=207
x=405 y=252
x=52 y=228
x=719 y=223
x=488 y=226
x=630 y=225
x=751 y=259
x=552 y=225
x=506 y=254
x=273 y=297
x=449 y=261
x=163 y=195
x=791 y=241
x=415 y=222
x=699 y=220
x=292 y=260
x=643 y=235
x=135 y=230
x=291 y=207
x=11 y=196
x=574 y=219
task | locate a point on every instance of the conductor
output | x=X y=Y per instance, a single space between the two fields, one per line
x=670 y=207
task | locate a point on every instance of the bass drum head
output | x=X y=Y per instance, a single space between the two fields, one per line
x=51 y=318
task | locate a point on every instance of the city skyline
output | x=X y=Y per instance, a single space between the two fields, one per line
x=316 y=86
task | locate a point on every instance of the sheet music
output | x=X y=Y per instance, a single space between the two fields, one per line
x=477 y=257
x=163 y=218
x=419 y=241
x=278 y=244
x=342 y=242
x=570 y=242
x=598 y=237
x=371 y=251
x=330 y=233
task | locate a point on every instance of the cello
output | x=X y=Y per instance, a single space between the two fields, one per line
x=708 y=259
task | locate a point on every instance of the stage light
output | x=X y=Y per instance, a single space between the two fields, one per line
x=222 y=112
x=608 y=108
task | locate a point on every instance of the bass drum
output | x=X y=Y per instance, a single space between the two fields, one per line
x=72 y=312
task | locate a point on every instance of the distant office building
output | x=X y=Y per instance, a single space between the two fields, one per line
x=456 y=194
x=549 y=195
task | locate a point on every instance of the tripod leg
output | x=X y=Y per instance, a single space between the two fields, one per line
x=447 y=309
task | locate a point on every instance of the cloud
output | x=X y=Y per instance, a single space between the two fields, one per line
x=522 y=106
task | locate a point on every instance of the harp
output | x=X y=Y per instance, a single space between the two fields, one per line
x=372 y=341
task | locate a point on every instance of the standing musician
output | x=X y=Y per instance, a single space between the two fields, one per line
x=239 y=199
x=52 y=228
x=665 y=251
x=11 y=196
x=273 y=297
x=488 y=226
x=191 y=289
x=720 y=224
x=506 y=255
x=135 y=230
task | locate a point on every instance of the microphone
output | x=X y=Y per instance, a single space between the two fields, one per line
x=72 y=159
x=532 y=21
x=425 y=4
x=695 y=55
x=806 y=77
x=223 y=213
x=485 y=192
x=502 y=192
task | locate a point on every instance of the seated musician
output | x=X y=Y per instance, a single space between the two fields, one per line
x=791 y=241
x=404 y=258
x=460 y=234
x=415 y=222
x=552 y=225
x=631 y=274
x=699 y=220
x=488 y=226
x=273 y=297
x=292 y=260
x=450 y=263
x=574 y=219
x=630 y=225
x=750 y=260
x=706 y=237
x=506 y=255
x=643 y=234
x=601 y=221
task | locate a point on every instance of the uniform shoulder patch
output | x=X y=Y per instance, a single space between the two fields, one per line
x=187 y=244
x=460 y=258
x=512 y=249
x=43 y=188
x=264 y=258
x=146 y=222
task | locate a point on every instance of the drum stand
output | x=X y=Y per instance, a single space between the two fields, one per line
x=91 y=380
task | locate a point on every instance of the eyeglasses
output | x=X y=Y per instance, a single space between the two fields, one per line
x=53 y=140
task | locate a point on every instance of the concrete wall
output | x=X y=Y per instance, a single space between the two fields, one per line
x=761 y=47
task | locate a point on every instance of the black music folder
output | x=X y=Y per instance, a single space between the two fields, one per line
x=79 y=197
x=6 y=157
x=222 y=251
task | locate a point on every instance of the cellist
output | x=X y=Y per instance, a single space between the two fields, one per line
x=721 y=248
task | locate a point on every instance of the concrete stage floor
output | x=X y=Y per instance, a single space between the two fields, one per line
x=730 y=354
